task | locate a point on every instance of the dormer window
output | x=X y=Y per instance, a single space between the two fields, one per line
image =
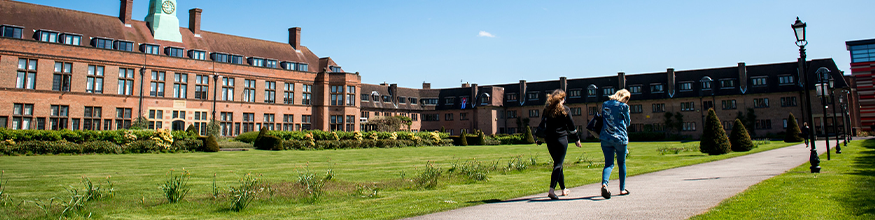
x=574 y=93
x=270 y=63
x=759 y=81
x=635 y=89
x=288 y=65
x=303 y=67
x=10 y=31
x=47 y=36
x=220 y=57
x=124 y=45
x=412 y=100
x=150 y=49
x=197 y=54
x=402 y=100
x=657 y=88
x=174 y=51
x=254 y=61
x=607 y=91
x=785 y=80
x=236 y=59
x=335 y=69
x=102 y=43
x=685 y=86
x=71 y=39
x=727 y=83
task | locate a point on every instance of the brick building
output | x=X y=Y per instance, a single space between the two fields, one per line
x=863 y=70
x=61 y=68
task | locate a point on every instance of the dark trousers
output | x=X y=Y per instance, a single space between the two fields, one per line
x=557 y=146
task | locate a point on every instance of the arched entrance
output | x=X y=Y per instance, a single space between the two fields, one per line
x=178 y=125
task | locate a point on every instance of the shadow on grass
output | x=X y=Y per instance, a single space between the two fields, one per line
x=861 y=201
x=538 y=199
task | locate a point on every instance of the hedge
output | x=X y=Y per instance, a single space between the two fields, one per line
x=318 y=135
x=29 y=142
x=356 y=144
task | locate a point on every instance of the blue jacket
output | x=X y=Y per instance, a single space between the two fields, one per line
x=616 y=120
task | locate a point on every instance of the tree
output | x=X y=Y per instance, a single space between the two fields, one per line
x=481 y=138
x=385 y=124
x=261 y=134
x=211 y=145
x=529 y=138
x=443 y=129
x=213 y=128
x=739 y=138
x=749 y=120
x=679 y=122
x=405 y=120
x=668 y=122
x=463 y=139
x=714 y=140
x=793 y=131
x=140 y=123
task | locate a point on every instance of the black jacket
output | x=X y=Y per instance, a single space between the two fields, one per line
x=561 y=126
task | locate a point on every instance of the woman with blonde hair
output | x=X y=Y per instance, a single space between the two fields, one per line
x=615 y=114
x=559 y=129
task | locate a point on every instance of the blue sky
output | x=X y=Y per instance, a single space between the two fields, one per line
x=496 y=42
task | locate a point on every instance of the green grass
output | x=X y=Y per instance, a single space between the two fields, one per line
x=137 y=178
x=845 y=189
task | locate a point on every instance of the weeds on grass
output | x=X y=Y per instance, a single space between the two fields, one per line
x=43 y=205
x=176 y=186
x=428 y=178
x=516 y=163
x=366 y=191
x=3 y=195
x=76 y=202
x=215 y=188
x=765 y=141
x=244 y=194
x=95 y=192
x=677 y=150
x=471 y=169
x=313 y=183
x=584 y=159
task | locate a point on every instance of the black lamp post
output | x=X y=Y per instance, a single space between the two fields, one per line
x=844 y=117
x=799 y=30
x=835 y=122
x=706 y=84
x=822 y=80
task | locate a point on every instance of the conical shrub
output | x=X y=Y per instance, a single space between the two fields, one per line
x=481 y=138
x=529 y=138
x=739 y=138
x=793 y=133
x=714 y=140
x=211 y=145
x=261 y=133
x=463 y=139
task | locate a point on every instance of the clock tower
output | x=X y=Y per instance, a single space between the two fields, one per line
x=162 y=20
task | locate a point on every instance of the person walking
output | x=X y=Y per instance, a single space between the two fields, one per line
x=804 y=133
x=615 y=114
x=558 y=129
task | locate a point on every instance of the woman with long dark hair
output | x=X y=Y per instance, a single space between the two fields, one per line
x=559 y=130
x=615 y=114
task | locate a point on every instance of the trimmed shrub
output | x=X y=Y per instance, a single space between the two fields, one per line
x=269 y=142
x=211 y=145
x=101 y=147
x=481 y=138
x=510 y=138
x=714 y=140
x=143 y=146
x=186 y=145
x=529 y=138
x=739 y=139
x=248 y=137
x=261 y=133
x=463 y=139
x=793 y=132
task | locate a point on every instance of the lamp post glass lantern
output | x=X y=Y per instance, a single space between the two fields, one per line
x=799 y=31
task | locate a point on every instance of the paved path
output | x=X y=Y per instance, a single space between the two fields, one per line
x=678 y=193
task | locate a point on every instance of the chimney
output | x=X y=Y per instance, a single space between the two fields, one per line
x=563 y=83
x=522 y=96
x=671 y=82
x=742 y=77
x=621 y=78
x=295 y=37
x=426 y=85
x=393 y=91
x=125 y=12
x=474 y=91
x=466 y=85
x=383 y=84
x=194 y=21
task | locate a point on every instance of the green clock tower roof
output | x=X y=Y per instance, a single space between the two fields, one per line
x=162 y=20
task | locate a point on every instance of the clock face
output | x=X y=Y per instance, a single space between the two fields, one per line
x=168 y=7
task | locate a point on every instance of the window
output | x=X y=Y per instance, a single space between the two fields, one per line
x=174 y=51
x=862 y=53
x=227 y=89
x=305 y=122
x=686 y=86
x=532 y=96
x=414 y=117
x=26 y=78
x=201 y=126
x=336 y=122
x=727 y=125
x=636 y=109
x=660 y=107
x=179 y=115
x=761 y=103
x=463 y=116
x=48 y=36
x=788 y=101
x=270 y=63
x=335 y=69
x=449 y=101
x=122 y=118
x=61 y=79
x=288 y=65
x=197 y=54
x=365 y=97
x=706 y=85
x=226 y=123
x=635 y=89
x=636 y=128
x=302 y=67
x=574 y=93
x=125 y=81
x=220 y=57
x=688 y=106
x=236 y=59
x=336 y=95
x=10 y=31
x=269 y=121
x=22 y=116
x=591 y=92
x=94 y=83
x=91 y=120
x=729 y=104
x=689 y=126
x=202 y=85
x=305 y=96
x=124 y=45
x=350 y=96
x=448 y=117
x=759 y=81
x=248 y=92
x=58 y=117
x=727 y=83
x=150 y=49
x=102 y=43
x=785 y=80
x=289 y=93
x=534 y=113
x=288 y=122
x=592 y=110
x=656 y=88
x=429 y=101
x=180 y=85
x=576 y=111
x=607 y=91
x=430 y=117
x=248 y=122
x=350 y=123
x=658 y=127
x=155 y=117
x=269 y=92
x=71 y=39
x=707 y=105
x=511 y=97
x=763 y=124
x=254 y=61
x=156 y=87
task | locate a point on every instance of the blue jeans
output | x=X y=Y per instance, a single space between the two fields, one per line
x=609 y=149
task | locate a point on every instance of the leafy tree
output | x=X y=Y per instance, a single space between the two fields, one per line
x=443 y=129
x=678 y=122
x=385 y=124
x=405 y=120
x=714 y=140
x=793 y=131
x=668 y=122
x=213 y=128
x=140 y=123
x=749 y=120
x=739 y=139
x=529 y=138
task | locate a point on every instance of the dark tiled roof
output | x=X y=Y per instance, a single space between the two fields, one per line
x=39 y=17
